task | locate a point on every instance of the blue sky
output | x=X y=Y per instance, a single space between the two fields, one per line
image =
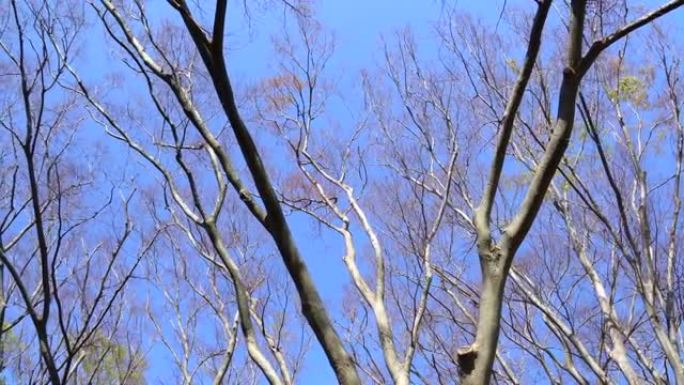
x=359 y=27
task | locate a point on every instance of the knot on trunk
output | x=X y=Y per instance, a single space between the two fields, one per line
x=466 y=359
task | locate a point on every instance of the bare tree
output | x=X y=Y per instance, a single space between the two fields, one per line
x=440 y=157
x=64 y=264
x=298 y=86
x=496 y=257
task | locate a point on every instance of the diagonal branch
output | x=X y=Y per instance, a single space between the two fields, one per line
x=483 y=212
x=600 y=45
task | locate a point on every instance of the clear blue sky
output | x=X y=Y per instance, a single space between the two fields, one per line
x=358 y=27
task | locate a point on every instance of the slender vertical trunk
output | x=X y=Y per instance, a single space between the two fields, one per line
x=477 y=360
